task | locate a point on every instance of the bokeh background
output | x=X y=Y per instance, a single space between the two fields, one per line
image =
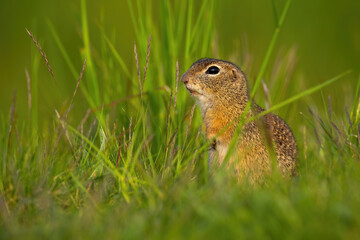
x=323 y=35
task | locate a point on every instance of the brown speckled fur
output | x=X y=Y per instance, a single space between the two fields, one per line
x=222 y=98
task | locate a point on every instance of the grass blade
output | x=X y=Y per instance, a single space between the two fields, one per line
x=270 y=48
x=70 y=63
x=87 y=52
x=115 y=53
x=302 y=94
x=356 y=99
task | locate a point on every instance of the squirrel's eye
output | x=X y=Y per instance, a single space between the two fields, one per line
x=212 y=70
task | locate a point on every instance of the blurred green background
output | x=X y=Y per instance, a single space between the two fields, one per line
x=325 y=35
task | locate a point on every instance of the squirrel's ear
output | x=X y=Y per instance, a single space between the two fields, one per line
x=235 y=75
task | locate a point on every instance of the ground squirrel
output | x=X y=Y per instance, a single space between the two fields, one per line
x=221 y=91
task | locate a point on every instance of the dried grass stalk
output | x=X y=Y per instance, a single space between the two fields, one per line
x=42 y=54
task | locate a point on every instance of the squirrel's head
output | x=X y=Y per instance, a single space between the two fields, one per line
x=210 y=80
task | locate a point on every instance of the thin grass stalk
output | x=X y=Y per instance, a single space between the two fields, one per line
x=119 y=152
x=28 y=81
x=276 y=18
x=170 y=147
x=147 y=58
x=78 y=82
x=270 y=48
x=189 y=126
x=42 y=54
x=317 y=137
x=195 y=28
x=170 y=31
x=181 y=18
x=62 y=49
x=208 y=31
x=34 y=92
x=92 y=126
x=188 y=31
x=329 y=108
x=70 y=64
x=87 y=114
x=130 y=135
x=305 y=146
x=138 y=71
x=140 y=19
x=133 y=18
x=65 y=116
x=356 y=107
x=64 y=129
x=349 y=120
x=115 y=53
x=124 y=137
x=325 y=107
x=196 y=150
x=168 y=116
x=176 y=84
x=11 y=120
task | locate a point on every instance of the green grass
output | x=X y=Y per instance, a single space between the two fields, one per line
x=135 y=164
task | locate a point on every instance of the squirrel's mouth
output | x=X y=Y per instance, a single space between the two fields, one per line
x=192 y=91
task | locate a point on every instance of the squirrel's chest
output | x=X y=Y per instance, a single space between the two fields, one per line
x=217 y=152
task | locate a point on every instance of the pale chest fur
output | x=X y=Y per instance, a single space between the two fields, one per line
x=221 y=150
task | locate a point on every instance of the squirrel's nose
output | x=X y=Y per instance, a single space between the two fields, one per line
x=184 y=79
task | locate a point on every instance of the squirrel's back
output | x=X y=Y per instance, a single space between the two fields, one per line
x=284 y=142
